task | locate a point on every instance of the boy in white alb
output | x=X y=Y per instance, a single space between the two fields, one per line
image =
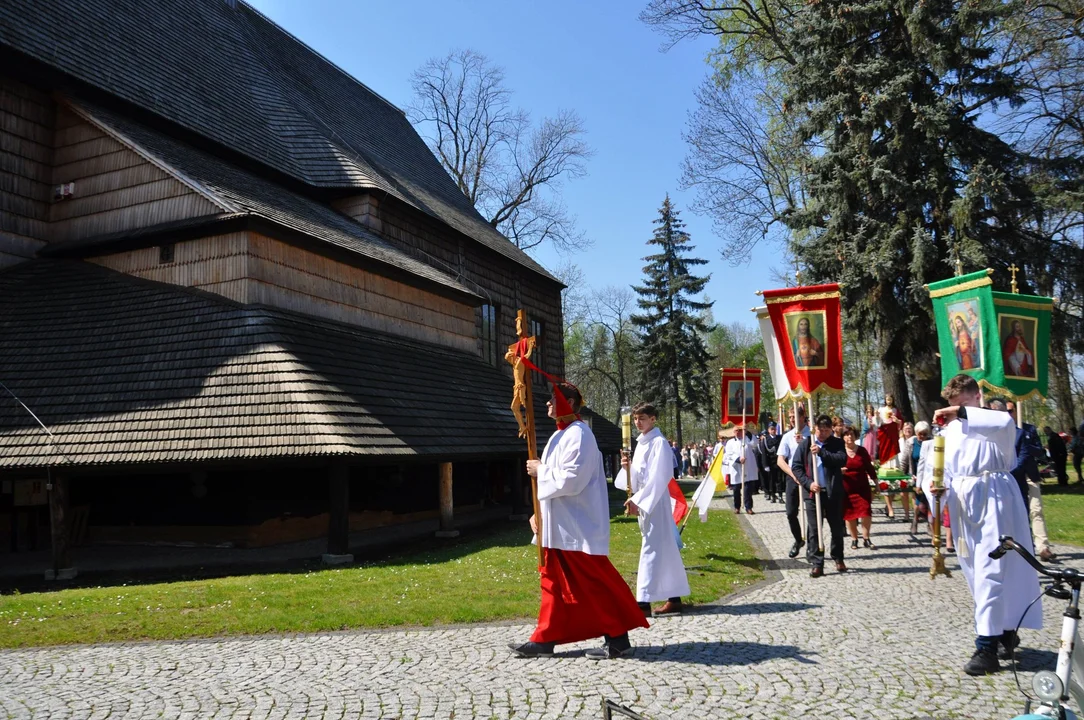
x=661 y=575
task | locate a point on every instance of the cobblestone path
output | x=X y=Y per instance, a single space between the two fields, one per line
x=882 y=640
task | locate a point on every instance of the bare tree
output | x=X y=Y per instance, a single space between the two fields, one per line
x=510 y=169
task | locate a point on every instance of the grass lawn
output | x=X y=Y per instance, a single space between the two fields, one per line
x=490 y=576
x=1063 y=509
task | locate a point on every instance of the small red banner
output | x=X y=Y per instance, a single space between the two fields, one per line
x=809 y=334
x=741 y=395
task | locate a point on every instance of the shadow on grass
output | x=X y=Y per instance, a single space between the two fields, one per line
x=750 y=562
x=717 y=653
x=413 y=551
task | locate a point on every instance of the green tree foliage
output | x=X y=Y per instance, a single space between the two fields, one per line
x=673 y=359
x=907 y=178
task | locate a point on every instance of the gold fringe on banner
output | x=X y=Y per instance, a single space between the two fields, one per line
x=799 y=296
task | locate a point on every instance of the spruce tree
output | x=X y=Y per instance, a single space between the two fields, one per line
x=906 y=179
x=674 y=361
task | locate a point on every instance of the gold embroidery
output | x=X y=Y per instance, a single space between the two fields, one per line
x=797 y=297
x=971 y=285
x=1024 y=305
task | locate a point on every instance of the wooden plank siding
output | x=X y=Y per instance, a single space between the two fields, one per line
x=250 y=268
x=27 y=119
x=509 y=285
x=116 y=188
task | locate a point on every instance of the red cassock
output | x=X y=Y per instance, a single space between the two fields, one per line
x=584 y=597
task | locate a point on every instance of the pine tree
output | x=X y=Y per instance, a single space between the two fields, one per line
x=907 y=177
x=674 y=361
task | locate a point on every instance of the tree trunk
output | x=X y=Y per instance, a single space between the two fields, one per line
x=677 y=414
x=895 y=382
x=1060 y=388
x=925 y=375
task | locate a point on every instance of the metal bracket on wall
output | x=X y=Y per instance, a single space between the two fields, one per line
x=610 y=708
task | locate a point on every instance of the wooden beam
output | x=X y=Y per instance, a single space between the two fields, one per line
x=447 y=528
x=60 y=525
x=338 y=530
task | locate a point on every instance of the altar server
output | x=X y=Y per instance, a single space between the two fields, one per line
x=661 y=575
x=984 y=503
x=583 y=595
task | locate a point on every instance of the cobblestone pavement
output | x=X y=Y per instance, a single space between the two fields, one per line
x=883 y=640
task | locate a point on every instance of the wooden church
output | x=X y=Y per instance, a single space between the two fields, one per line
x=239 y=291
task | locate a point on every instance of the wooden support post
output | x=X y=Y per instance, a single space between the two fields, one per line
x=338 y=526
x=447 y=529
x=60 y=525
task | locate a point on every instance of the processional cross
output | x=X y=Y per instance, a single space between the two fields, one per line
x=523 y=408
x=1013 y=269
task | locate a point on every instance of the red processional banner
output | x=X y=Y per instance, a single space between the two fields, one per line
x=741 y=395
x=809 y=333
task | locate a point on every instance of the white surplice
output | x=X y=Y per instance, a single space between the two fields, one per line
x=572 y=492
x=984 y=502
x=736 y=450
x=661 y=575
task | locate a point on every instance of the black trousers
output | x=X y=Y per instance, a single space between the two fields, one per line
x=775 y=478
x=1076 y=465
x=832 y=509
x=745 y=490
x=791 y=497
x=1059 y=467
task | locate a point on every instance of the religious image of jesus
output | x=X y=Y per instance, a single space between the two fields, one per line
x=1019 y=359
x=808 y=350
x=737 y=400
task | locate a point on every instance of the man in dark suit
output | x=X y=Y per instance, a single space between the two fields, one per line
x=829 y=455
x=767 y=454
x=1059 y=454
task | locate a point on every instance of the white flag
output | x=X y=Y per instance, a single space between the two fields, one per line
x=771 y=348
x=703 y=495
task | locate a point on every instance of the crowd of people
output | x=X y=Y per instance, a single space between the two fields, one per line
x=824 y=468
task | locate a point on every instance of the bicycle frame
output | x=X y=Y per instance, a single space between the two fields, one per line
x=1070 y=667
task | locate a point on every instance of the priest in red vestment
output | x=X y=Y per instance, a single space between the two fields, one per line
x=583 y=595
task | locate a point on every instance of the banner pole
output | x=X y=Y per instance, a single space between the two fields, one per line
x=801 y=500
x=813 y=462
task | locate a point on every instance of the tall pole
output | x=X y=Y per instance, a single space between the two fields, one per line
x=523 y=409
x=813 y=462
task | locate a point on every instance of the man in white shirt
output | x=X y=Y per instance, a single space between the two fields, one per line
x=787 y=446
x=661 y=575
x=741 y=462
x=984 y=503
x=583 y=595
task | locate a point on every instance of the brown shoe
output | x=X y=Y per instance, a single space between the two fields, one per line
x=841 y=566
x=1046 y=555
x=669 y=608
x=737 y=511
x=816 y=572
x=748 y=512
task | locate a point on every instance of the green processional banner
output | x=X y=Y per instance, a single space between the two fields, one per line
x=1023 y=331
x=1000 y=339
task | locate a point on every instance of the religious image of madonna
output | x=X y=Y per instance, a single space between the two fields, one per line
x=806 y=333
x=1017 y=335
x=966 y=332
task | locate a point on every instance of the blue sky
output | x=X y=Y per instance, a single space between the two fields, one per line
x=596 y=58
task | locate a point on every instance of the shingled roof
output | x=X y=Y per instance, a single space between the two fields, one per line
x=239 y=192
x=125 y=371
x=222 y=70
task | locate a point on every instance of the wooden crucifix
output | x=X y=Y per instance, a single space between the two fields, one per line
x=523 y=409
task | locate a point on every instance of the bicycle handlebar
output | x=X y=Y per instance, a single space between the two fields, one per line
x=1069 y=575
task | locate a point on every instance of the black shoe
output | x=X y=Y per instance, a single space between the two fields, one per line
x=1009 y=642
x=614 y=647
x=983 y=662
x=868 y=544
x=532 y=649
x=796 y=548
x=645 y=608
x=854 y=544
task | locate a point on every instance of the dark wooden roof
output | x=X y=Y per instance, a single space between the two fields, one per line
x=125 y=371
x=239 y=192
x=228 y=74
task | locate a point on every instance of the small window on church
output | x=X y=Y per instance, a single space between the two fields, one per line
x=490 y=333
x=165 y=253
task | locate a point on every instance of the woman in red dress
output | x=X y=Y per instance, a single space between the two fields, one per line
x=857 y=474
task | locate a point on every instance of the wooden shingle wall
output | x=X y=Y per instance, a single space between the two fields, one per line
x=251 y=268
x=27 y=117
x=509 y=285
x=115 y=188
